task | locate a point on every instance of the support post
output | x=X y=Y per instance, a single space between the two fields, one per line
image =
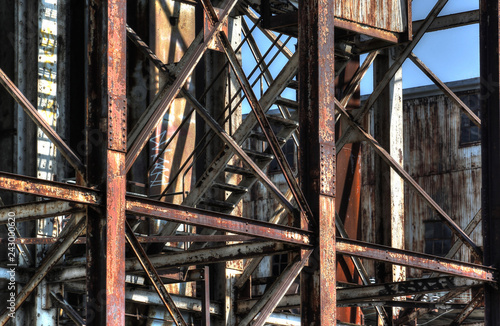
x=106 y=116
x=317 y=156
x=388 y=130
x=490 y=148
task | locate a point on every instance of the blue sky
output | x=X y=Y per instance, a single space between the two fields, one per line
x=451 y=54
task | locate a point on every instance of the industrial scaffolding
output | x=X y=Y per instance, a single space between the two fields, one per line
x=136 y=189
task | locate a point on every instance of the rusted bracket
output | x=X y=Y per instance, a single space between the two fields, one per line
x=37 y=118
x=411 y=182
x=154 y=277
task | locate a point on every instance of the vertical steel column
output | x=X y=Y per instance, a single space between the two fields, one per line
x=388 y=130
x=490 y=148
x=106 y=116
x=317 y=156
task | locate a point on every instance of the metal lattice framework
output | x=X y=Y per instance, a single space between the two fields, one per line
x=167 y=238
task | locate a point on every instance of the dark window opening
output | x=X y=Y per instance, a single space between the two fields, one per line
x=279 y=263
x=437 y=238
x=289 y=151
x=469 y=132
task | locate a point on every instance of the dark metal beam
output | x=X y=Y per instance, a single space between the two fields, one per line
x=68 y=309
x=406 y=288
x=37 y=210
x=475 y=302
x=490 y=147
x=39 y=120
x=416 y=260
x=191 y=258
x=472 y=116
x=450 y=21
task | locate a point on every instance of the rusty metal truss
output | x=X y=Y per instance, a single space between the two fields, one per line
x=186 y=162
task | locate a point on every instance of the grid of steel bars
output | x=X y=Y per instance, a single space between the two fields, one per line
x=99 y=205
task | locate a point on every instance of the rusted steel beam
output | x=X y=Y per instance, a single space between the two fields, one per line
x=155 y=112
x=191 y=258
x=50 y=189
x=68 y=309
x=410 y=181
x=152 y=239
x=471 y=306
x=152 y=208
x=472 y=116
x=377 y=292
x=406 y=288
x=266 y=128
x=273 y=295
x=219 y=221
x=416 y=260
x=55 y=253
x=106 y=113
x=39 y=120
x=489 y=42
x=148 y=297
x=392 y=70
x=405 y=304
x=317 y=156
x=154 y=277
x=37 y=210
x=450 y=21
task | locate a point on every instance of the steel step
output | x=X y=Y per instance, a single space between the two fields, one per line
x=238 y=170
x=217 y=203
x=260 y=136
x=230 y=187
x=259 y=156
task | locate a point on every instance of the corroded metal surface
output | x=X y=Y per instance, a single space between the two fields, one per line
x=317 y=156
x=218 y=221
x=490 y=148
x=390 y=15
x=50 y=189
x=416 y=260
x=107 y=113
